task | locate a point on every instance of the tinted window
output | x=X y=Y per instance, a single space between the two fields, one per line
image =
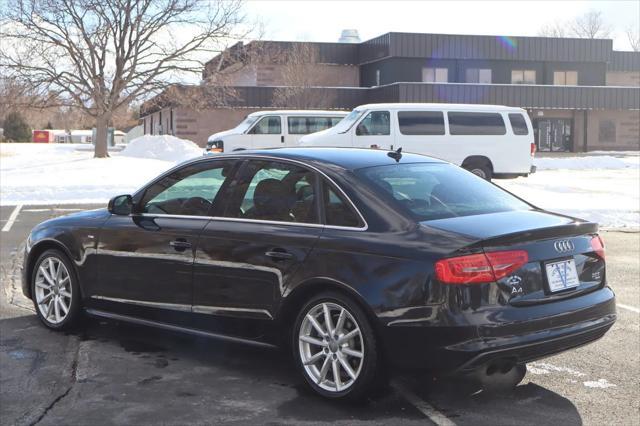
x=518 y=124
x=338 y=212
x=375 y=123
x=278 y=192
x=268 y=126
x=306 y=125
x=190 y=191
x=476 y=123
x=435 y=191
x=421 y=122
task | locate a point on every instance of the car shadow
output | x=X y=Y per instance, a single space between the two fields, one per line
x=207 y=368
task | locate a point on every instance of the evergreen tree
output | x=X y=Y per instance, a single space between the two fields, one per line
x=16 y=128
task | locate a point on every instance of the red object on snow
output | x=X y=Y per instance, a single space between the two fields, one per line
x=42 y=136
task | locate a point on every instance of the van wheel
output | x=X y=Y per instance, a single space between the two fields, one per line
x=480 y=169
x=334 y=347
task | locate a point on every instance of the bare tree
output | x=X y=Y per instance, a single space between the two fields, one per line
x=590 y=25
x=555 y=29
x=633 y=34
x=102 y=55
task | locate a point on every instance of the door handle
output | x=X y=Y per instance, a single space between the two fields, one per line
x=279 y=254
x=282 y=138
x=180 y=244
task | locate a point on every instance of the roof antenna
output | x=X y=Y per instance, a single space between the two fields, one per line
x=396 y=155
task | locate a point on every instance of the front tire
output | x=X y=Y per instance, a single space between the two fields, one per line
x=55 y=291
x=335 y=348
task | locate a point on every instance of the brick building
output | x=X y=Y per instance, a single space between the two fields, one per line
x=580 y=93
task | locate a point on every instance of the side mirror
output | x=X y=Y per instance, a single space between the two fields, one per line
x=121 y=205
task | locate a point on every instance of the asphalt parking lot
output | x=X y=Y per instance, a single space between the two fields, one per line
x=113 y=373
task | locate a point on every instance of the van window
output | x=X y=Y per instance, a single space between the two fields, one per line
x=476 y=123
x=518 y=124
x=421 y=122
x=268 y=126
x=375 y=123
x=306 y=125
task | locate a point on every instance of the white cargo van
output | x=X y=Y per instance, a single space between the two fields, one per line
x=271 y=129
x=488 y=140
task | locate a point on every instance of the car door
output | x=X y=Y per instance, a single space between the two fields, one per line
x=375 y=130
x=145 y=260
x=267 y=133
x=245 y=258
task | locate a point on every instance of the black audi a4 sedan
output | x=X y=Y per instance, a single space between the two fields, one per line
x=358 y=260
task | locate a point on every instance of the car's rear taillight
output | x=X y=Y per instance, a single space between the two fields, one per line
x=598 y=246
x=533 y=149
x=480 y=268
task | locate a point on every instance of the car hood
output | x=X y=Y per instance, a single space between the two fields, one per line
x=312 y=137
x=222 y=134
x=85 y=218
x=517 y=222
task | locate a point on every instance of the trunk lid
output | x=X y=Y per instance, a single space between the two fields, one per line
x=555 y=245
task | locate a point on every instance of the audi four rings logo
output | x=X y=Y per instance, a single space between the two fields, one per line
x=563 y=246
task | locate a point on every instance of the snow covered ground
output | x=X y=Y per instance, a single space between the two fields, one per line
x=603 y=187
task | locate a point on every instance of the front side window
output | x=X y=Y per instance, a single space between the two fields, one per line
x=421 y=122
x=276 y=191
x=523 y=77
x=337 y=210
x=269 y=125
x=306 y=125
x=565 y=78
x=478 y=75
x=518 y=124
x=376 y=123
x=476 y=123
x=430 y=191
x=190 y=191
x=435 y=75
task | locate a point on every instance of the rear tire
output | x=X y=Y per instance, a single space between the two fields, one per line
x=340 y=361
x=55 y=291
x=480 y=169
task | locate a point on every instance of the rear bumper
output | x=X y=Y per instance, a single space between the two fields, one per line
x=542 y=330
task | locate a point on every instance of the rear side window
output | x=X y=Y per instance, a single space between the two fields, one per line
x=338 y=212
x=306 y=125
x=518 y=124
x=476 y=123
x=268 y=126
x=375 y=123
x=421 y=122
x=432 y=191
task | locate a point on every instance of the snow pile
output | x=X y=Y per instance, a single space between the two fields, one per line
x=594 y=162
x=162 y=147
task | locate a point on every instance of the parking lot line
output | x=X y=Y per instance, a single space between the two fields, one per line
x=12 y=218
x=629 y=308
x=427 y=409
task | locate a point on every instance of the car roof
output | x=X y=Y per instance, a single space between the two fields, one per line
x=346 y=158
x=440 y=106
x=298 y=112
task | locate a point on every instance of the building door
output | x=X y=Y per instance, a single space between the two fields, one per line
x=554 y=134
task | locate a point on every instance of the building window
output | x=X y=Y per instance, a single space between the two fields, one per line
x=478 y=75
x=523 y=76
x=421 y=122
x=476 y=123
x=565 y=78
x=377 y=77
x=607 y=131
x=435 y=75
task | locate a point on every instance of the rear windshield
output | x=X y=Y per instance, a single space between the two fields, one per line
x=432 y=191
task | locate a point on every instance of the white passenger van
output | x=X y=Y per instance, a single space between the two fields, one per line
x=488 y=140
x=271 y=129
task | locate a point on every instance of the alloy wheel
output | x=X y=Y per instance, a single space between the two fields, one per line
x=53 y=290
x=331 y=347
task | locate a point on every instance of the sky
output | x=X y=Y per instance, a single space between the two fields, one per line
x=324 y=20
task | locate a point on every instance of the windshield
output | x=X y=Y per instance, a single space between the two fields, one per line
x=346 y=123
x=244 y=126
x=438 y=191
